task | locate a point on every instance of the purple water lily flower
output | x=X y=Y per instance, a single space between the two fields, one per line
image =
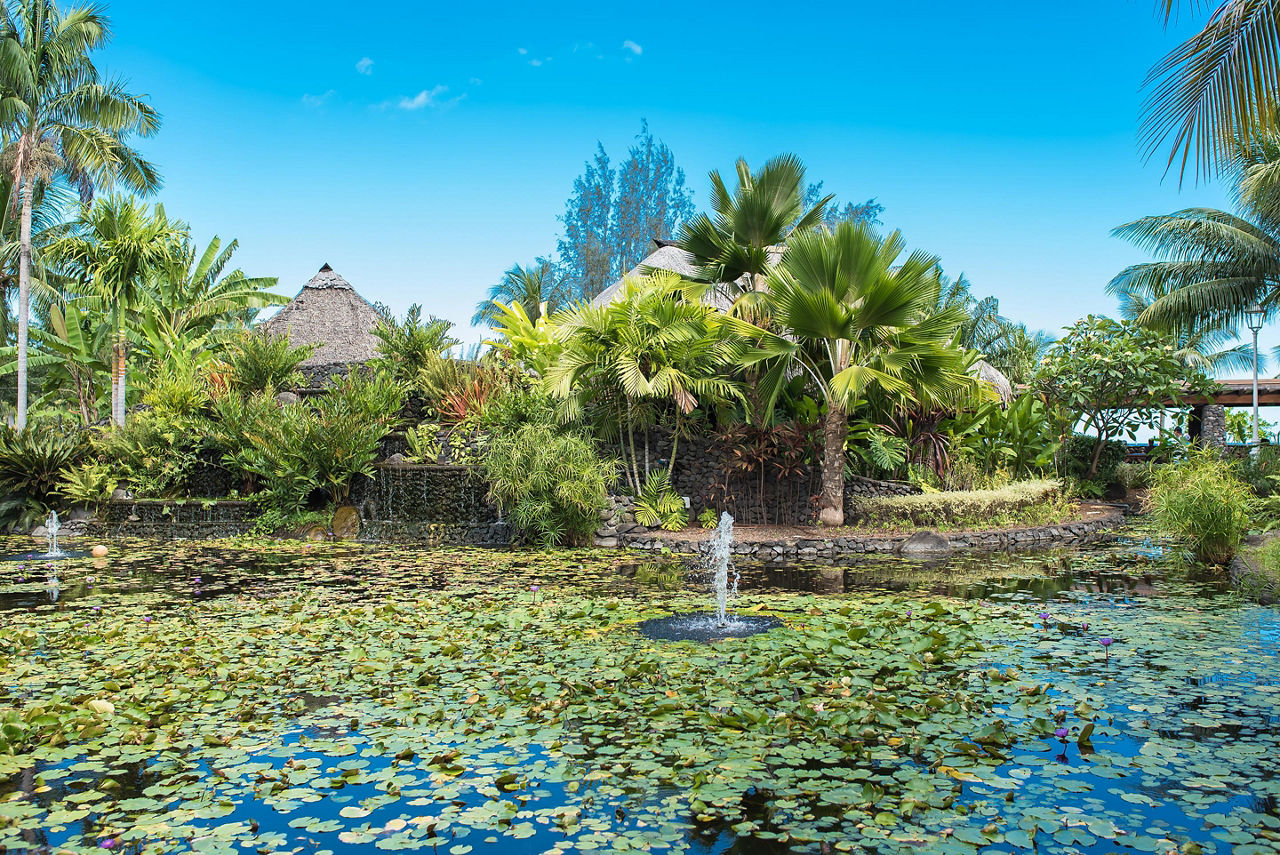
x=147 y=619
x=1106 y=647
x=535 y=588
x=1061 y=733
x=109 y=843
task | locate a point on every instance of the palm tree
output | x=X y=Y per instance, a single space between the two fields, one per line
x=1212 y=264
x=1219 y=85
x=118 y=244
x=536 y=288
x=61 y=119
x=853 y=316
x=735 y=250
x=648 y=347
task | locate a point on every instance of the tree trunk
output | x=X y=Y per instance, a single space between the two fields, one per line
x=835 y=429
x=24 y=298
x=1093 y=462
x=118 y=381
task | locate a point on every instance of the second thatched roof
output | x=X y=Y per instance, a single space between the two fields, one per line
x=329 y=313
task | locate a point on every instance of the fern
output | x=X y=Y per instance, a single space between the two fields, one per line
x=659 y=506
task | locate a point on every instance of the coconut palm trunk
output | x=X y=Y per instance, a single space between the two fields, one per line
x=835 y=428
x=24 y=298
x=118 y=379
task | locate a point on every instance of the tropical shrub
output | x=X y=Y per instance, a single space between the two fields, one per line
x=406 y=348
x=1203 y=500
x=90 y=484
x=177 y=389
x=424 y=443
x=551 y=485
x=261 y=362
x=32 y=463
x=708 y=519
x=659 y=505
x=154 y=452
x=974 y=508
x=1020 y=439
x=1081 y=451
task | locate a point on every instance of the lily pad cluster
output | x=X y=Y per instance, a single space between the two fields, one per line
x=297 y=698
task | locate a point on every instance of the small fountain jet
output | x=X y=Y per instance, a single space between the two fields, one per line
x=52 y=526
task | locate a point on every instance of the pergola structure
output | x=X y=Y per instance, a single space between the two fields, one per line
x=1208 y=412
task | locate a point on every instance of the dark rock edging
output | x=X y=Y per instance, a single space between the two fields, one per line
x=836 y=548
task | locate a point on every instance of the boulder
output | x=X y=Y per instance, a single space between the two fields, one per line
x=924 y=544
x=346 y=523
x=40 y=532
x=284 y=399
x=397 y=459
x=607 y=542
x=121 y=495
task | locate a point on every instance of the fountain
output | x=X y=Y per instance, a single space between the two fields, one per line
x=701 y=627
x=52 y=526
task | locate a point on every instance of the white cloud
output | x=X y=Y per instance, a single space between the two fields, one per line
x=476 y=81
x=364 y=66
x=633 y=47
x=318 y=100
x=425 y=98
x=535 y=62
x=522 y=51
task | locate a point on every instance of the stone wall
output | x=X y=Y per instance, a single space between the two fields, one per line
x=156 y=519
x=705 y=473
x=838 y=549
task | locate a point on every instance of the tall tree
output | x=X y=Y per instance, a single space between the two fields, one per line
x=63 y=120
x=536 y=287
x=585 y=258
x=863 y=212
x=614 y=214
x=652 y=201
x=117 y=244
x=1219 y=85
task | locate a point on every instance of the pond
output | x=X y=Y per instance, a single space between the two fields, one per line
x=284 y=697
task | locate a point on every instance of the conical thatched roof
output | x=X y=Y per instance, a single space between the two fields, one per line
x=328 y=312
x=991 y=376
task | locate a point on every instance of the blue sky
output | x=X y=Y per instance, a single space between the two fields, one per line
x=422 y=148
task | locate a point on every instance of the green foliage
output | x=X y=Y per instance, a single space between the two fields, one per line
x=406 y=348
x=879 y=451
x=424 y=443
x=1079 y=453
x=1203 y=500
x=1261 y=579
x=154 y=452
x=1020 y=438
x=709 y=518
x=90 y=484
x=1136 y=476
x=273 y=520
x=1261 y=470
x=32 y=465
x=177 y=390
x=551 y=485
x=261 y=362
x=659 y=505
x=971 y=509
x=1114 y=377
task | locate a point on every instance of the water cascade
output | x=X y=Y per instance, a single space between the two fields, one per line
x=52 y=526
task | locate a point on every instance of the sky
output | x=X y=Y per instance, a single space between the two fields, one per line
x=423 y=148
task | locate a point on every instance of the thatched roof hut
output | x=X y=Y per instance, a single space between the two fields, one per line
x=989 y=375
x=328 y=312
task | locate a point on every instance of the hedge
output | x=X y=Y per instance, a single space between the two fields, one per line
x=970 y=508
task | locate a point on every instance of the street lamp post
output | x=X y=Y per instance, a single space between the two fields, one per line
x=1253 y=318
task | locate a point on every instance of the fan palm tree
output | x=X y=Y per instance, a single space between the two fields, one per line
x=535 y=287
x=733 y=249
x=854 y=316
x=61 y=119
x=1217 y=86
x=116 y=245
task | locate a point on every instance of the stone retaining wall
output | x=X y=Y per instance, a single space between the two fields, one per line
x=157 y=519
x=845 y=548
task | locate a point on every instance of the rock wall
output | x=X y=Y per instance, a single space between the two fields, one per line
x=839 y=549
x=157 y=519
x=706 y=472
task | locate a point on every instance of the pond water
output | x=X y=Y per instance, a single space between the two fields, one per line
x=282 y=697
